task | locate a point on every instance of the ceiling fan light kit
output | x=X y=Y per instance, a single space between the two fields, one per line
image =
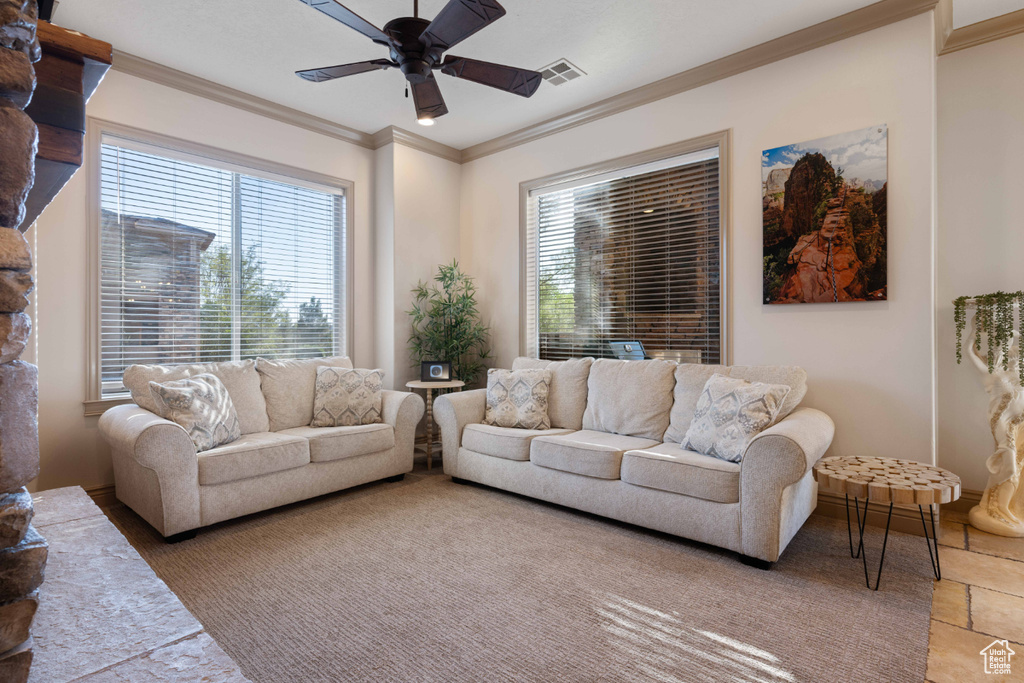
x=417 y=48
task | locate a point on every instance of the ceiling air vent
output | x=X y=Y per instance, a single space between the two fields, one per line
x=561 y=72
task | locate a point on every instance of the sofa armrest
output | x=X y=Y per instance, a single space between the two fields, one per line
x=776 y=458
x=403 y=410
x=156 y=471
x=453 y=412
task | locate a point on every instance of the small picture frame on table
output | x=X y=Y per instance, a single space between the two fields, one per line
x=435 y=371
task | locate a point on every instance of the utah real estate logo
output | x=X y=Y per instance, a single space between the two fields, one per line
x=997 y=657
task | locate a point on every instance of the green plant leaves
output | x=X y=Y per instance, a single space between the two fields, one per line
x=995 y=321
x=446 y=325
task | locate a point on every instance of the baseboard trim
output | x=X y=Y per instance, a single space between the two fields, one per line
x=968 y=499
x=904 y=519
x=103 y=496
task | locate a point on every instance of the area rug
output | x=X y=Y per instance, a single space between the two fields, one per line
x=427 y=580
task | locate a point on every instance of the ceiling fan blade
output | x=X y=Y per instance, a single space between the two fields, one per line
x=460 y=19
x=427 y=96
x=339 y=12
x=508 y=78
x=329 y=73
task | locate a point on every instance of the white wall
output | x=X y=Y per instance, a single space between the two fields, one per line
x=427 y=191
x=384 y=262
x=417 y=228
x=72 y=453
x=980 y=235
x=869 y=364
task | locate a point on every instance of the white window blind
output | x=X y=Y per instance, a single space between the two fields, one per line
x=635 y=254
x=203 y=262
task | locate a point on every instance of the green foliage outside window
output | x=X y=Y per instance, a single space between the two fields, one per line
x=266 y=324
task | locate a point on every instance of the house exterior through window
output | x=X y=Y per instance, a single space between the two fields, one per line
x=632 y=254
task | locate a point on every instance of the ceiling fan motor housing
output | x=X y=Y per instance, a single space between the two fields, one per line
x=413 y=57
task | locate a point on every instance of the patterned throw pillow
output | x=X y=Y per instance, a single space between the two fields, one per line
x=518 y=398
x=345 y=398
x=730 y=412
x=202 y=406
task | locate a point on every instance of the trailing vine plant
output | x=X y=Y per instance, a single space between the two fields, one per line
x=994 y=320
x=446 y=325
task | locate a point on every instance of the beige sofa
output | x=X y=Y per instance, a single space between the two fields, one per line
x=278 y=460
x=613 y=450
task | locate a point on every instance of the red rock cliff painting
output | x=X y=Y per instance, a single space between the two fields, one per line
x=824 y=218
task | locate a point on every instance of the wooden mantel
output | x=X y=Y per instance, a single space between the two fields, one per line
x=71 y=68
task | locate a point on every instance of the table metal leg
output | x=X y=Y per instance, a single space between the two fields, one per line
x=861 y=551
x=849 y=531
x=430 y=426
x=931 y=540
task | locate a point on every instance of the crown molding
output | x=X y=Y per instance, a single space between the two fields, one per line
x=984 y=32
x=825 y=33
x=393 y=134
x=179 y=80
x=845 y=26
x=943 y=23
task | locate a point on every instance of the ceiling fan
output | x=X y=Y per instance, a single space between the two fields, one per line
x=418 y=46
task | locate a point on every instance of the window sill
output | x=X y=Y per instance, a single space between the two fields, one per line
x=95 y=408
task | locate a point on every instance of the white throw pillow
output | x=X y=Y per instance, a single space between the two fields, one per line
x=567 y=399
x=730 y=413
x=239 y=377
x=345 y=398
x=289 y=387
x=202 y=406
x=518 y=398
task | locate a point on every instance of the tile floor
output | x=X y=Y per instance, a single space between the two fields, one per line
x=980 y=599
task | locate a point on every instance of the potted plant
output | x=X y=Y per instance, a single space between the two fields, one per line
x=992 y=343
x=446 y=324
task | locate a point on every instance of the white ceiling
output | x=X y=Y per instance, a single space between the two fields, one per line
x=966 y=12
x=256 y=45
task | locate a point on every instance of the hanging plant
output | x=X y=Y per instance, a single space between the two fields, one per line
x=994 y=319
x=446 y=324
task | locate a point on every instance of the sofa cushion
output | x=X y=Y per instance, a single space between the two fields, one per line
x=289 y=387
x=730 y=413
x=518 y=398
x=251 y=456
x=690 y=381
x=504 y=442
x=567 y=399
x=201 y=405
x=239 y=377
x=335 y=443
x=344 y=397
x=590 y=453
x=632 y=397
x=792 y=376
x=670 y=467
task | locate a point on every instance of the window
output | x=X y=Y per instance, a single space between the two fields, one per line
x=634 y=253
x=204 y=260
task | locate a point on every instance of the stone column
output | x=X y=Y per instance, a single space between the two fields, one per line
x=22 y=550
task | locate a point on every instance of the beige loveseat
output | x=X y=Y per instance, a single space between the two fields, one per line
x=278 y=460
x=614 y=450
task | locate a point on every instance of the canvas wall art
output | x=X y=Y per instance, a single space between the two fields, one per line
x=823 y=212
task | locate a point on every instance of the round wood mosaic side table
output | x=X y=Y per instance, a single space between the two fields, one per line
x=892 y=481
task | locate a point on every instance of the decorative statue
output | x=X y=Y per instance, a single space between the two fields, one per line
x=994 y=346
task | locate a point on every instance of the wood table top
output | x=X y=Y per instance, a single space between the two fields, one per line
x=887 y=480
x=453 y=384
